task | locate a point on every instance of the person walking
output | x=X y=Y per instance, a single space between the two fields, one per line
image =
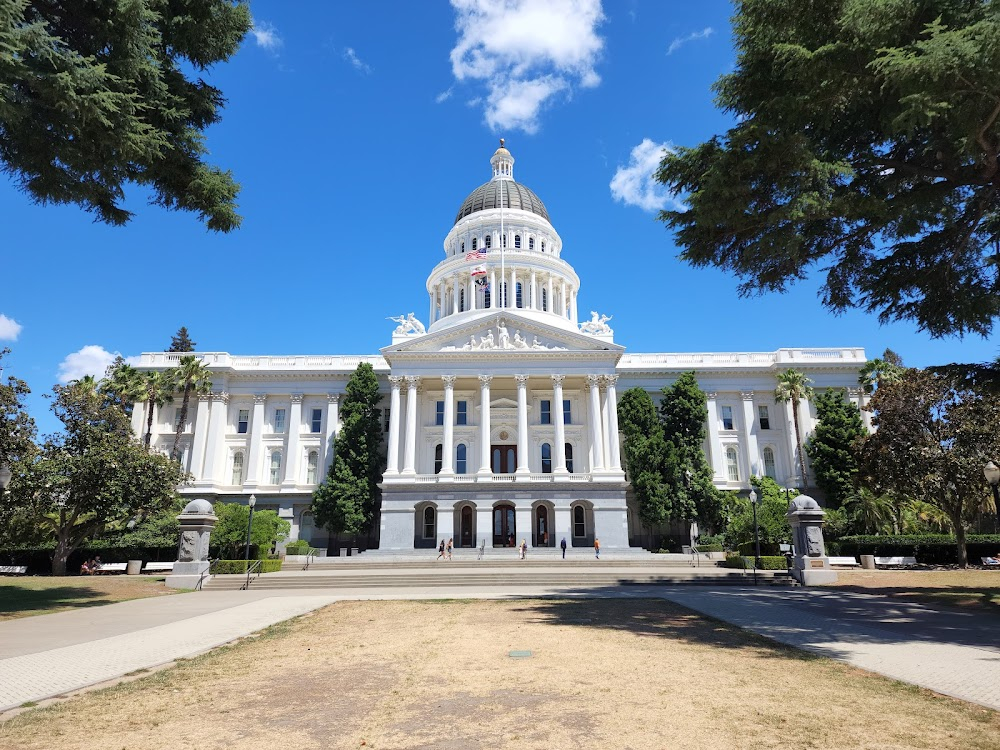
x=563 y=545
x=524 y=548
x=597 y=548
x=448 y=548
x=441 y=550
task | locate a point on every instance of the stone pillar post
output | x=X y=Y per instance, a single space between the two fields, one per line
x=256 y=440
x=448 y=449
x=596 y=436
x=215 y=451
x=484 y=424
x=332 y=428
x=410 y=448
x=522 y=424
x=750 y=436
x=201 y=427
x=196 y=521
x=613 y=443
x=714 y=444
x=810 y=565
x=294 y=428
x=392 y=449
x=557 y=406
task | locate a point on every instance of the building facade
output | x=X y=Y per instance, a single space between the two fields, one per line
x=500 y=416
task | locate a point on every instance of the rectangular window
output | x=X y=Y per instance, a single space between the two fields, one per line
x=732 y=465
x=317 y=420
x=439 y=413
x=765 y=422
x=546 y=412
x=279 y=420
x=243 y=421
x=727 y=417
x=177 y=417
x=312 y=467
x=276 y=467
x=238 y=468
x=462 y=413
x=567 y=412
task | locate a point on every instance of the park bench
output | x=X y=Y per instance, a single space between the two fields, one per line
x=990 y=562
x=845 y=562
x=13 y=570
x=111 y=568
x=158 y=567
x=890 y=561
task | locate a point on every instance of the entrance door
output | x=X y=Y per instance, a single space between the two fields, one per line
x=503 y=526
x=466 y=536
x=542 y=526
x=504 y=459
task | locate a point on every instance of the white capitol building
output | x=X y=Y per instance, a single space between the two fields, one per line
x=500 y=416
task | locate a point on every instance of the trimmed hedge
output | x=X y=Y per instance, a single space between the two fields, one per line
x=929 y=549
x=298 y=547
x=222 y=567
x=749 y=548
x=767 y=562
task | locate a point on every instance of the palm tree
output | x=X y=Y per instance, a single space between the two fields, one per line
x=794 y=386
x=871 y=512
x=157 y=390
x=127 y=384
x=190 y=376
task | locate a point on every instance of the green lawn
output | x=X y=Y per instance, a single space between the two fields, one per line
x=40 y=595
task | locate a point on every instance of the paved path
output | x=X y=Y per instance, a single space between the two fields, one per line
x=953 y=653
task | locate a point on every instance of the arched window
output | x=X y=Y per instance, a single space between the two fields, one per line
x=531 y=243
x=438 y=453
x=732 y=464
x=769 y=470
x=569 y=458
x=461 y=300
x=429 y=523
x=276 y=467
x=486 y=297
x=488 y=242
x=517 y=242
x=312 y=467
x=545 y=299
x=579 y=521
x=503 y=294
x=463 y=247
x=546 y=458
x=543 y=246
x=238 y=467
x=475 y=242
x=503 y=240
x=519 y=297
x=460 y=458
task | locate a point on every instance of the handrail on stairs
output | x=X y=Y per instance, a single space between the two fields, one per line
x=252 y=569
x=310 y=557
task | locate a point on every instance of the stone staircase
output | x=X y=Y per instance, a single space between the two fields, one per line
x=538 y=571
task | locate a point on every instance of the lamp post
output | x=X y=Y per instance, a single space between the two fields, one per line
x=5 y=476
x=252 y=502
x=992 y=473
x=756 y=535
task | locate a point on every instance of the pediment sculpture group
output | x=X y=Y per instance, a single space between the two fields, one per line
x=597 y=325
x=503 y=340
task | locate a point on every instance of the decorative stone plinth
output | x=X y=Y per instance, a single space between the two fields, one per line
x=191 y=569
x=810 y=564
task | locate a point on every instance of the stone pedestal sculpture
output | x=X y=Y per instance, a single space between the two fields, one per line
x=810 y=564
x=197 y=520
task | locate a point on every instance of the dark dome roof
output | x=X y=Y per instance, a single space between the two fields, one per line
x=515 y=195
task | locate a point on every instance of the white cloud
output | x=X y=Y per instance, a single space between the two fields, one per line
x=266 y=35
x=10 y=329
x=693 y=36
x=526 y=52
x=634 y=184
x=444 y=95
x=359 y=64
x=90 y=360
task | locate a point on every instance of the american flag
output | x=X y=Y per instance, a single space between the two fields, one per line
x=477 y=255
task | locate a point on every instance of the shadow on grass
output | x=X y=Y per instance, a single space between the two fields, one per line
x=16 y=599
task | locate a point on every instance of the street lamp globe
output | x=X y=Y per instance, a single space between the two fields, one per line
x=5 y=475
x=753 y=496
x=991 y=471
x=253 y=500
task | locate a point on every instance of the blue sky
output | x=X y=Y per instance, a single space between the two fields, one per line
x=356 y=130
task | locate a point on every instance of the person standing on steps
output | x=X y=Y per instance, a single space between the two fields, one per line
x=597 y=548
x=448 y=547
x=524 y=548
x=441 y=550
x=563 y=545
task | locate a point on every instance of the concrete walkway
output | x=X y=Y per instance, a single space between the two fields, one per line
x=953 y=653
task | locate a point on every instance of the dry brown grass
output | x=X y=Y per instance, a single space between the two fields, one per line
x=603 y=674
x=43 y=595
x=968 y=589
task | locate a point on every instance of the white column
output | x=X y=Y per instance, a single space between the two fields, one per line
x=493 y=288
x=455 y=285
x=332 y=428
x=256 y=438
x=557 y=406
x=522 y=424
x=596 y=436
x=484 y=424
x=430 y=313
x=857 y=397
x=616 y=454
x=714 y=444
x=563 y=307
x=448 y=449
x=512 y=289
x=551 y=303
x=605 y=425
x=572 y=306
x=410 y=448
x=392 y=450
x=201 y=428
x=752 y=453
x=533 y=291
x=294 y=428
x=470 y=295
x=215 y=453
x=440 y=299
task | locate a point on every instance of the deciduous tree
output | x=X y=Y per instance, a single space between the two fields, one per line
x=230 y=532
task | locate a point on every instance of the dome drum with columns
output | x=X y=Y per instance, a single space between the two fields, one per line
x=500 y=416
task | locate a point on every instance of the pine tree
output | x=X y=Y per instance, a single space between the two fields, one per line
x=181 y=341
x=347 y=501
x=833 y=444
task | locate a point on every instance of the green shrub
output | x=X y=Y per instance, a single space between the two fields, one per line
x=766 y=548
x=298 y=547
x=709 y=547
x=710 y=539
x=929 y=549
x=223 y=567
x=768 y=562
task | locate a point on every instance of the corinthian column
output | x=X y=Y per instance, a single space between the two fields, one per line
x=616 y=453
x=410 y=449
x=392 y=451
x=448 y=450
x=557 y=407
x=484 y=424
x=596 y=436
x=522 y=424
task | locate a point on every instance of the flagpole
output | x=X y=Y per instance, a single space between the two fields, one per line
x=503 y=277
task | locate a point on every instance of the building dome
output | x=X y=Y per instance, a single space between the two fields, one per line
x=515 y=195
